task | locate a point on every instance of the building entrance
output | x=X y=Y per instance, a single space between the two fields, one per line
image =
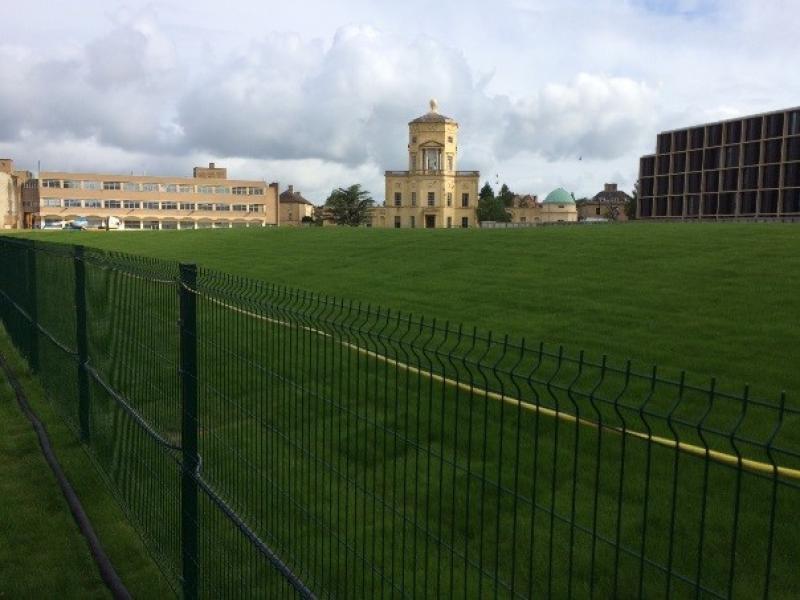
x=430 y=221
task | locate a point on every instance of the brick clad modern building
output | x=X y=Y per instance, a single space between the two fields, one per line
x=747 y=167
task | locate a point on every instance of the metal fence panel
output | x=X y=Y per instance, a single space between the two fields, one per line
x=272 y=442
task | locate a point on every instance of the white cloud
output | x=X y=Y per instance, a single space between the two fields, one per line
x=117 y=89
x=593 y=116
x=135 y=56
x=289 y=98
x=535 y=84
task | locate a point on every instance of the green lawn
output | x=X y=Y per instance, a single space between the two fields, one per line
x=717 y=300
x=42 y=554
x=373 y=480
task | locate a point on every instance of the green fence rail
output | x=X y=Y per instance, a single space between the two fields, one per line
x=272 y=442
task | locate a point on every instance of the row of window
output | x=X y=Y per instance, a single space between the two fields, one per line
x=753 y=128
x=430 y=222
x=772 y=151
x=149 y=205
x=170 y=188
x=134 y=224
x=398 y=199
x=749 y=203
x=747 y=178
x=188 y=224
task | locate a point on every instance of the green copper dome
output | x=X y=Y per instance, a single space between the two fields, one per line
x=559 y=196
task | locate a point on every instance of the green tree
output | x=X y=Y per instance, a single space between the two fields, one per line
x=506 y=196
x=489 y=207
x=349 y=206
x=486 y=192
x=630 y=205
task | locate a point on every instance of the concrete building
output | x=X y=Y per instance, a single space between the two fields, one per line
x=747 y=167
x=432 y=193
x=12 y=183
x=608 y=205
x=207 y=199
x=293 y=207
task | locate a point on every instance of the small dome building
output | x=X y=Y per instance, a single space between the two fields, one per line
x=559 y=206
x=559 y=196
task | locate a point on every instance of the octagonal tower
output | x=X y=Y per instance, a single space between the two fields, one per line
x=432 y=193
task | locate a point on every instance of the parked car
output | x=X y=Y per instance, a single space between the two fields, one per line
x=76 y=224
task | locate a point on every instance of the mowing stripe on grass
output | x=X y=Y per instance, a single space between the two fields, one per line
x=725 y=458
x=748 y=464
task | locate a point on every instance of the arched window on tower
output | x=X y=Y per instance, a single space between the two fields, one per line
x=431 y=158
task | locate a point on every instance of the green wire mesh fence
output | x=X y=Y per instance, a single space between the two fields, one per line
x=271 y=442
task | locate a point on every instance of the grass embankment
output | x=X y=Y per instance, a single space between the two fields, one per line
x=42 y=553
x=716 y=299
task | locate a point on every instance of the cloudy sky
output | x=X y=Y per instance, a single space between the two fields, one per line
x=319 y=93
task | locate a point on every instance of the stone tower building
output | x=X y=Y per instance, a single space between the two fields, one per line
x=11 y=182
x=432 y=193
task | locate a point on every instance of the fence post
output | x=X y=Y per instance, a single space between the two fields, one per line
x=81 y=342
x=33 y=339
x=188 y=377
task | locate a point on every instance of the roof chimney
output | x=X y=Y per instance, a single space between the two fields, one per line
x=610 y=187
x=210 y=165
x=291 y=189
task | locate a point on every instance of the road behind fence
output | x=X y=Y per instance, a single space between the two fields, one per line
x=271 y=442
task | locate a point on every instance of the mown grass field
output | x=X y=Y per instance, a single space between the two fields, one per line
x=717 y=300
x=42 y=553
x=378 y=481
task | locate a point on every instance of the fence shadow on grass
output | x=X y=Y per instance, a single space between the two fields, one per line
x=268 y=442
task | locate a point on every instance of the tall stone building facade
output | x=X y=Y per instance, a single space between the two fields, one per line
x=432 y=193
x=11 y=187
